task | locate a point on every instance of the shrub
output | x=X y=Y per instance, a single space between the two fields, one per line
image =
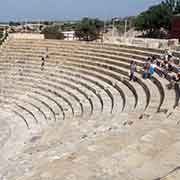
x=52 y=32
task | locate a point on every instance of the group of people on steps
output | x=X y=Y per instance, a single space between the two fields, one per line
x=148 y=70
x=165 y=64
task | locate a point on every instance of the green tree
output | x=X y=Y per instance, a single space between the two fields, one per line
x=68 y=26
x=52 y=32
x=120 y=24
x=1 y=34
x=12 y=23
x=89 y=29
x=157 y=17
x=177 y=8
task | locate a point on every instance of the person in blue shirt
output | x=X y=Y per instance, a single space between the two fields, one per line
x=151 y=69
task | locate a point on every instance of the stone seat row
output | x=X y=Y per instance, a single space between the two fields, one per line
x=96 y=58
x=104 y=66
x=95 y=91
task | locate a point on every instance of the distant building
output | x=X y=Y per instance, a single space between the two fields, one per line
x=69 y=35
x=175 y=29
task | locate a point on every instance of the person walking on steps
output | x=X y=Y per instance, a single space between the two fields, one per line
x=132 y=70
x=47 y=53
x=42 y=63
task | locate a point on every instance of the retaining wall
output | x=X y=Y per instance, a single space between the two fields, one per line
x=25 y=36
x=149 y=43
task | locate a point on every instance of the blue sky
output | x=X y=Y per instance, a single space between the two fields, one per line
x=70 y=9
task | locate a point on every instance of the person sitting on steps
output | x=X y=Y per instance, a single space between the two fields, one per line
x=174 y=81
x=145 y=70
x=151 y=70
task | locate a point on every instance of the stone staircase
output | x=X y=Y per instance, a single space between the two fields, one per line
x=81 y=115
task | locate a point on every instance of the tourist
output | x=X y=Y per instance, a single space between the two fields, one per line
x=177 y=78
x=151 y=69
x=170 y=66
x=154 y=60
x=42 y=63
x=132 y=70
x=174 y=82
x=165 y=68
x=149 y=59
x=176 y=61
x=46 y=53
x=145 y=70
x=159 y=62
x=168 y=54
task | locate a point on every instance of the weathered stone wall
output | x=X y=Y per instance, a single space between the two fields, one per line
x=26 y=36
x=149 y=43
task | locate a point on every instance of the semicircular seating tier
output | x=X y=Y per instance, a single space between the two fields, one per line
x=88 y=83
